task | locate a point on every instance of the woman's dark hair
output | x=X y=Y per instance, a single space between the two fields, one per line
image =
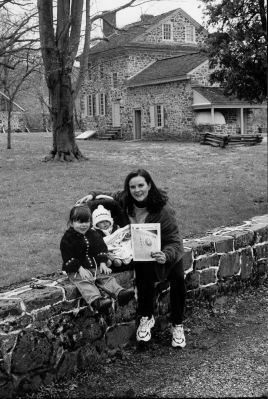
x=156 y=199
x=80 y=213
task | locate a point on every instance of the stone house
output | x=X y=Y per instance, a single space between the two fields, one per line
x=150 y=80
x=18 y=121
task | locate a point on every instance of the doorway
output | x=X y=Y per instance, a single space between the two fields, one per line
x=137 y=124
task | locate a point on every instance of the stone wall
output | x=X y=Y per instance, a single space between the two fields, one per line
x=176 y=99
x=179 y=22
x=126 y=65
x=47 y=331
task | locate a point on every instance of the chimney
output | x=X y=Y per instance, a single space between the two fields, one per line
x=109 y=22
x=146 y=17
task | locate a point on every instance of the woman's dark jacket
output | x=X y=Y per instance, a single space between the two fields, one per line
x=171 y=241
x=79 y=250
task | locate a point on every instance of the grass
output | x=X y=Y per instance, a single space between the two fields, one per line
x=209 y=187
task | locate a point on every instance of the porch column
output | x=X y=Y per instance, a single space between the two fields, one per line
x=212 y=116
x=242 y=120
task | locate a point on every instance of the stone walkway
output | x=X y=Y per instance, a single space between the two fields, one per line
x=226 y=356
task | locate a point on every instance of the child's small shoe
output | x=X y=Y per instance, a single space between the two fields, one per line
x=101 y=304
x=117 y=263
x=125 y=296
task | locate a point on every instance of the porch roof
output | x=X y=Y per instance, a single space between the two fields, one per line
x=213 y=97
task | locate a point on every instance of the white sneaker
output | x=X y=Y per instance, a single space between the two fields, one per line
x=144 y=330
x=178 y=338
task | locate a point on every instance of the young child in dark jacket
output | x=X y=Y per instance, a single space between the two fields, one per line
x=83 y=252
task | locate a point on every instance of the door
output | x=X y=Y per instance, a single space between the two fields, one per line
x=137 y=124
x=116 y=115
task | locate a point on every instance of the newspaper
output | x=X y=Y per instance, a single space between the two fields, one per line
x=119 y=244
x=145 y=239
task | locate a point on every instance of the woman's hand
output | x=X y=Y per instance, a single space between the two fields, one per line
x=105 y=269
x=84 y=200
x=85 y=274
x=159 y=257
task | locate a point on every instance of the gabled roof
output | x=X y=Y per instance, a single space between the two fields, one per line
x=129 y=35
x=168 y=70
x=8 y=99
x=214 y=97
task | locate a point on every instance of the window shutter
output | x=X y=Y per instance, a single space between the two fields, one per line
x=83 y=106
x=162 y=116
x=152 y=116
x=97 y=104
x=104 y=103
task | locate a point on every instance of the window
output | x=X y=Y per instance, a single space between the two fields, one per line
x=96 y=104
x=90 y=107
x=157 y=116
x=102 y=104
x=167 y=32
x=190 y=34
x=115 y=80
x=89 y=68
x=101 y=69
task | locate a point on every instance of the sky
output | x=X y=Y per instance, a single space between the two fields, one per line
x=132 y=14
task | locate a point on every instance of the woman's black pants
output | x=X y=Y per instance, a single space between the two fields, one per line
x=145 y=282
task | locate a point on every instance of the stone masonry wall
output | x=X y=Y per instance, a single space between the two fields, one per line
x=176 y=99
x=47 y=331
x=179 y=22
x=125 y=65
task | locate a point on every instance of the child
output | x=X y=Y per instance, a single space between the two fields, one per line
x=104 y=224
x=82 y=250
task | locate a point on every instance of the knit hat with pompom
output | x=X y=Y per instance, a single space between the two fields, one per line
x=101 y=214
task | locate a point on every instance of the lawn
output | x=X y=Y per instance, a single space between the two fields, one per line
x=209 y=187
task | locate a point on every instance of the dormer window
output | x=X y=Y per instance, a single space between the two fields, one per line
x=167 y=33
x=190 y=34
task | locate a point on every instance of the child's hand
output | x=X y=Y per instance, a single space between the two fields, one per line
x=104 y=269
x=84 y=200
x=85 y=274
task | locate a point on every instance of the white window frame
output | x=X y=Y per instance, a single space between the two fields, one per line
x=164 y=32
x=89 y=105
x=115 y=80
x=190 y=36
x=102 y=99
x=97 y=102
x=157 y=116
x=101 y=70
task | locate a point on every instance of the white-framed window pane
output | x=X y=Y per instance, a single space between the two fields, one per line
x=102 y=104
x=101 y=71
x=115 y=79
x=167 y=31
x=90 y=105
x=190 y=34
x=159 y=116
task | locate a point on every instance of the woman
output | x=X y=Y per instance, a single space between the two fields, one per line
x=143 y=202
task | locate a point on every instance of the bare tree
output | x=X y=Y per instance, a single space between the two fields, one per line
x=14 y=72
x=60 y=40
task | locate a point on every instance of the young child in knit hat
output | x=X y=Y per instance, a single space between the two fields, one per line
x=103 y=223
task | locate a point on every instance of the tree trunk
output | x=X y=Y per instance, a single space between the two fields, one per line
x=64 y=147
x=9 y=113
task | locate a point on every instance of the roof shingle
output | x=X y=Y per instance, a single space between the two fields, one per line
x=168 y=69
x=129 y=33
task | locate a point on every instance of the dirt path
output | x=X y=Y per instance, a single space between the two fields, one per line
x=226 y=356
